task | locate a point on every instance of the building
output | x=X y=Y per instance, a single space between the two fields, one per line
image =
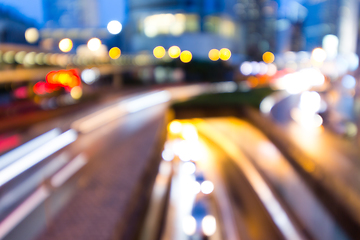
x=194 y=25
x=74 y=19
x=70 y=13
x=302 y=25
x=13 y=25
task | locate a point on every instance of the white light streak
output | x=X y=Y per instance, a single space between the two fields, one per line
x=27 y=147
x=267 y=104
x=23 y=210
x=131 y=105
x=147 y=101
x=36 y=156
x=69 y=170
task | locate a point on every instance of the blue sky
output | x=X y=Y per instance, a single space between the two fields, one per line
x=111 y=10
x=108 y=9
x=30 y=8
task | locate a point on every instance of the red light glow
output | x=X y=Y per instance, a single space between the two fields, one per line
x=64 y=78
x=21 y=92
x=67 y=79
x=9 y=142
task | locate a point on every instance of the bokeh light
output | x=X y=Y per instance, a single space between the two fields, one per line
x=267 y=104
x=94 y=44
x=167 y=155
x=115 y=52
x=9 y=57
x=310 y=102
x=208 y=225
x=63 y=78
x=253 y=81
x=351 y=129
x=263 y=68
x=196 y=187
x=185 y=56
x=29 y=59
x=31 y=35
x=65 y=45
x=306 y=120
x=165 y=23
x=268 y=57
x=174 y=52
x=214 y=54
x=330 y=44
x=175 y=127
x=348 y=81
x=255 y=68
x=39 y=58
x=188 y=168
x=76 y=92
x=114 y=27
x=225 y=54
x=89 y=76
x=246 y=68
x=300 y=81
x=189 y=132
x=189 y=225
x=207 y=187
x=318 y=55
x=272 y=69
x=19 y=57
x=159 y=52
x=353 y=61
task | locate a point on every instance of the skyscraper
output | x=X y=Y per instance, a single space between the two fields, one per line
x=193 y=25
x=70 y=13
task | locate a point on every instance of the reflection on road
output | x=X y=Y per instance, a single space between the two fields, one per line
x=204 y=153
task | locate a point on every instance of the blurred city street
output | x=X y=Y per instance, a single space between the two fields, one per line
x=181 y=120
